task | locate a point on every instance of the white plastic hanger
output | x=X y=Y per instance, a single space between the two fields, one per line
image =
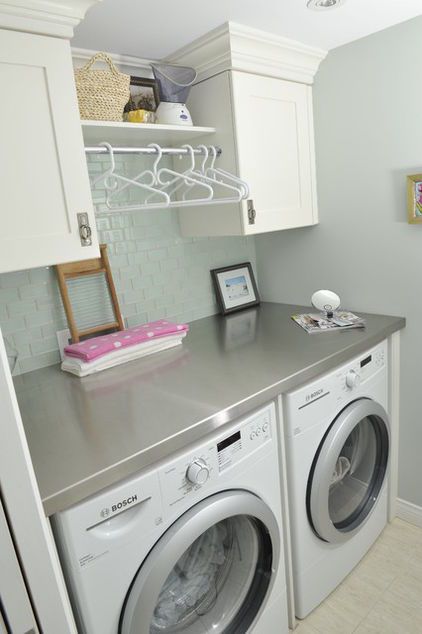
x=155 y=182
x=236 y=191
x=178 y=178
x=218 y=174
x=111 y=179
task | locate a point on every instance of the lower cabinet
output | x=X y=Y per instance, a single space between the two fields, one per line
x=44 y=177
x=265 y=128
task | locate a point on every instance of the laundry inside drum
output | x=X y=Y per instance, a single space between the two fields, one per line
x=354 y=472
x=211 y=582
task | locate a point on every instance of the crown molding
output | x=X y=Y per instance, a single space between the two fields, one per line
x=234 y=46
x=125 y=63
x=45 y=17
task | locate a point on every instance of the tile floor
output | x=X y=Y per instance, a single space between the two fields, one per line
x=383 y=595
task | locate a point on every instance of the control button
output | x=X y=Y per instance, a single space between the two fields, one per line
x=352 y=379
x=252 y=436
x=258 y=431
x=265 y=427
x=198 y=472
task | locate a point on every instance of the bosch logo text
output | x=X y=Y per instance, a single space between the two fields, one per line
x=118 y=506
x=123 y=503
x=310 y=397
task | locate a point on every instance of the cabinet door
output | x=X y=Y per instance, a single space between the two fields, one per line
x=274 y=132
x=43 y=173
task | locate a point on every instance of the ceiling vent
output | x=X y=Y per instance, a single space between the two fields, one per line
x=322 y=5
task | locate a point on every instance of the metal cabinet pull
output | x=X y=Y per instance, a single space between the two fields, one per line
x=251 y=212
x=85 y=231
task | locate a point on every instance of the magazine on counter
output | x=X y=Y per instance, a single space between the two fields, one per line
x=318 y=322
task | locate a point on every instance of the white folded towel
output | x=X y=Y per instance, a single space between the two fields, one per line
x=121 y=355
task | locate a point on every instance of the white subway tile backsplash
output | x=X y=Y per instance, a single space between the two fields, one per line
x=34 y=291
x=149 y=268
x=135 y=320
x=157 y=273
x=27 y=336
x=143 y=281
x=8 y=294
x=39 y=318
x=38 y=361
x=10 y=326
x=14 y=280
x=153 y=292
x=46 y=345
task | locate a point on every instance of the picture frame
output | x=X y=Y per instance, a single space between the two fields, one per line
x=235 y=287
x=414 y=198
x=143 y=94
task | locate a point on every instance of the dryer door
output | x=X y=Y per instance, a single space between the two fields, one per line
x=212 y=570
x=348 y=471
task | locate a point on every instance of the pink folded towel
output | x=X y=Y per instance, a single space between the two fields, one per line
x=98 y=346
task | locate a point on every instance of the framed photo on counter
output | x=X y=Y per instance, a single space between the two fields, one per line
x=235 y=287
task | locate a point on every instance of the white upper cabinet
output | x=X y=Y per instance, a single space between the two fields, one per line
x=44 y=178
x=265 y=128
x=255 y=88
x=274 y=139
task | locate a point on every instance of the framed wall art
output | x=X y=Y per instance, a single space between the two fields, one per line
x=235 y=287
x=143 y=94
x=414 y=198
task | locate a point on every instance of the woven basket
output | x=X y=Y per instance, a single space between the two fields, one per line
x=102 y=94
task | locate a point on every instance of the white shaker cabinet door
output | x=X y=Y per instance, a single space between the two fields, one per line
x=275 y=149
x=43 y=173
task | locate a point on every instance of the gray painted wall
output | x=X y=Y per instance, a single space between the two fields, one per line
x=368 y=122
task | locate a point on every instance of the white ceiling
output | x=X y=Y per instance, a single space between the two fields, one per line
x=156 y=28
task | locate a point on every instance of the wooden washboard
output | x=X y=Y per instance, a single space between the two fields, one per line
x=84 y=268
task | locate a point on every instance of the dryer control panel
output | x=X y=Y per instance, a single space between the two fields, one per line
x=363 y=376
x=207 y=463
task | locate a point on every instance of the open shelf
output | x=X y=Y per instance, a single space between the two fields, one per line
x=139 y=134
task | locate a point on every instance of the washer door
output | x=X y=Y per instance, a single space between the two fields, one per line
x=212 y=570
x=348 y=471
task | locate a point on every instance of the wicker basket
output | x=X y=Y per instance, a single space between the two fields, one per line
x=102 y=94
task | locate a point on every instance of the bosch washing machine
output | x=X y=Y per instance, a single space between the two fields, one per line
x=193 y=545
x=337 y=446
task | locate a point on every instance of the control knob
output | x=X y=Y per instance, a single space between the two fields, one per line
x=198 y=472
x=352 y=379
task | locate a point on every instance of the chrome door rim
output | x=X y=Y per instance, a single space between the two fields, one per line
x=144 y=591
x=324 y=464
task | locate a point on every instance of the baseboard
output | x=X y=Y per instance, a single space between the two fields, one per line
x=409 y=512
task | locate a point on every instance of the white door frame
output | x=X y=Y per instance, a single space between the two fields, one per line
x=31 y=529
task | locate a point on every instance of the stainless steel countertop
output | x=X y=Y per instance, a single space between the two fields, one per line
x=86 y=434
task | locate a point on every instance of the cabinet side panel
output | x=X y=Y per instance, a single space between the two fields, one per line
x=210 y=104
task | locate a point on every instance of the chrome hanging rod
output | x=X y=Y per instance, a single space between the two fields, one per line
x=178 y=151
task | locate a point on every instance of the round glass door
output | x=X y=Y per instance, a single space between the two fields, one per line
x=349 y=471
x=210 y=572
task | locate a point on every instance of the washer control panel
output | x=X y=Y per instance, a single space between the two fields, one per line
x=205 y=464
x=362 y=368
